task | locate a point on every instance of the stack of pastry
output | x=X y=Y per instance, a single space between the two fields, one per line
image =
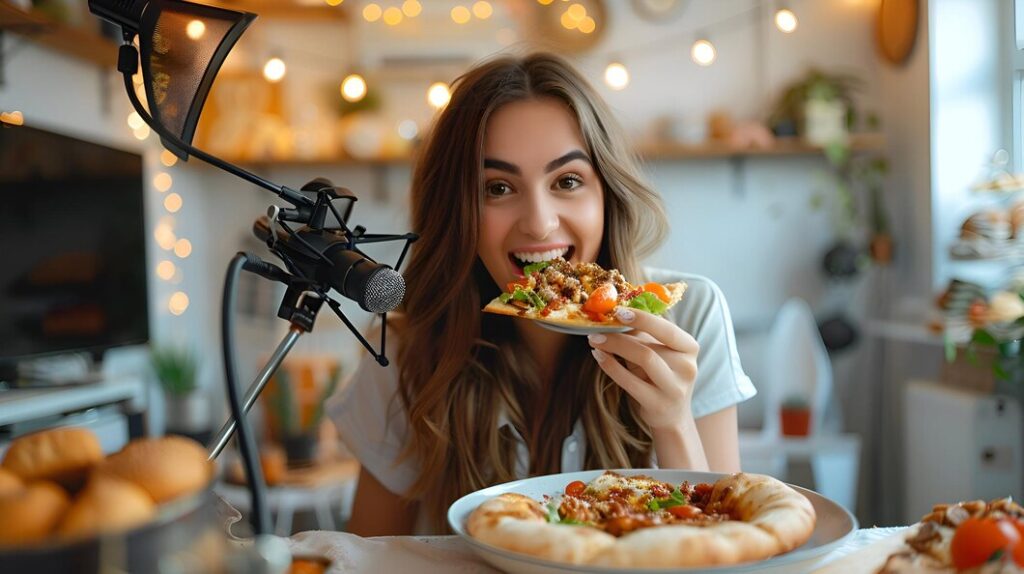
x=57 y=485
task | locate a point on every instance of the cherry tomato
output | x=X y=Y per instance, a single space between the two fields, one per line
x=575 y=488
x=684 y=511
x=602 y=300
x=977 y=539
x=659 y=291
x=523 y=282
x=1018 y=551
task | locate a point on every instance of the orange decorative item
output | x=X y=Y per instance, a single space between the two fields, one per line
x=796 y=418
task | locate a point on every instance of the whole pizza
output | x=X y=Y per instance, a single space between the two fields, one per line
x=977 y=537
x=640 y=522
x=584 y=294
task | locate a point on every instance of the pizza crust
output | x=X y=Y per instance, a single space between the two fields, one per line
x=570 y=313
x=517 y=523
x=769 y=518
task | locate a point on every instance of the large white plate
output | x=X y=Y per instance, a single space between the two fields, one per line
x=834 y=525
x=582 y=329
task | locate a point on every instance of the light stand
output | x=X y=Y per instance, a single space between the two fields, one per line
x=179 y=64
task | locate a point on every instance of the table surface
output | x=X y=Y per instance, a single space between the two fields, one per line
x=424 y=554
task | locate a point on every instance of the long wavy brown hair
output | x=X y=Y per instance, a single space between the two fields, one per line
x=460 y=368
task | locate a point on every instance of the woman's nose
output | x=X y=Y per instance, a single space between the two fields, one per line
x=540 y=216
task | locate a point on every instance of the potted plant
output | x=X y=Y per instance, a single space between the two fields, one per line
x=298 y=431
x=818 y=107
x=795 y=416
x=187 y=410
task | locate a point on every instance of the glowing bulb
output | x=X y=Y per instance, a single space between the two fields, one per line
x=703 y=52
x=438 y=95
x=544 y=2
x=183 y=248
x=135 y=121
x=162 y=182
x=334 y=2
x=411 y=8
x=141 y=132
x=568 y=22
x=172 y=202
x=167 y=158
x=274 y=70
x=785 y=20
x=165 y=270
x=616 y=76
x=393 y=16
x=482 y=10
x=372 y=12
x=587 y=25
x=408 y=130
x=164 y=235
x=460 y=14
x=178 y=303
x=353 y=88
x=577 y=12
x=195 y=29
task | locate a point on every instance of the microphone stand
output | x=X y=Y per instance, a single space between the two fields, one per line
x=304 y=296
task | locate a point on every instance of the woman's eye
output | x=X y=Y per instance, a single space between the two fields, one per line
x=570 y=182
x=498 y=189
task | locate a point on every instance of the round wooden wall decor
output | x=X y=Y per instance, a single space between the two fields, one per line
x=897 y=29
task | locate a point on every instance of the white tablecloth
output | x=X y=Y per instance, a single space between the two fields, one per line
x=426 y=554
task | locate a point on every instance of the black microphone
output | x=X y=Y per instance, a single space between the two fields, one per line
x=376 y=287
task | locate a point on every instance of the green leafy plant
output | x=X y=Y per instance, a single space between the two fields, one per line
x=795 y=403
x=283 y=403
x=819 y=85
x=175 y=369
x=1004 y=340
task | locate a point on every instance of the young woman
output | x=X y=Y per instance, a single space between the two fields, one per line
x=527 y=163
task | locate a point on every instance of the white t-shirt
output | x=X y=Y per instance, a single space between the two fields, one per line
x=371 y=421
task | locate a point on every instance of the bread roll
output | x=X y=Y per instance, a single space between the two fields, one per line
x=64 y=455
x=9 y=482
x=166 y=467
x=32 y=514
x=107 y=504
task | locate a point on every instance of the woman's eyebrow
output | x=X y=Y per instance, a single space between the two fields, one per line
x=550 y=167
x=574 y=154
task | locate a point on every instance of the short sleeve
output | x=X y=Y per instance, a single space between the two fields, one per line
x=370 y=419
x=703 y=313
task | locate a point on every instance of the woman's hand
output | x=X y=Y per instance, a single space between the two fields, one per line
x=660 y=366
x=659 y=373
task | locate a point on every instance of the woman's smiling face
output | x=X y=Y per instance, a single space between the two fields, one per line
x=542 y=197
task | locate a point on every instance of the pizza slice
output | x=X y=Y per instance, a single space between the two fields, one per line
x=640 y=522
x=559 y=292
x=974 y=536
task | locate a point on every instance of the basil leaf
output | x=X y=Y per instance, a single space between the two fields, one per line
x=648 y=302
x=505 y=297
x=531 y=268
x=553 y=516
x=528 y=296
x=675 y=499
x=574 y=522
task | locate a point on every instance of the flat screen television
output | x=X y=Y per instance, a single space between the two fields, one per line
x=73 y=267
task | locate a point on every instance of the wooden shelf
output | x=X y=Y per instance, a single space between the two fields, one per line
x=284 y=9
x=788 y=146
x=74 y=41
x=784 y=147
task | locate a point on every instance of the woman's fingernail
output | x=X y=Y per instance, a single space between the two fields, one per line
x=624 y=315
x=598 y=355
x=597 y=338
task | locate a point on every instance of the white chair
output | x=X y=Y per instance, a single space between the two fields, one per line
x=797 y=365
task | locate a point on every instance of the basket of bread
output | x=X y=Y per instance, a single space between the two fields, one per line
x=66 y=507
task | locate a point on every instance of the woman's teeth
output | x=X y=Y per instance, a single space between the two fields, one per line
x=535 y=257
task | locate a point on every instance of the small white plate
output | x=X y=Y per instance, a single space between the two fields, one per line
x=833 y=527
x=582 y=329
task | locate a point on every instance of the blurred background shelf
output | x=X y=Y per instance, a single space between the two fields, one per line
x=79 y=42
x=661 y=151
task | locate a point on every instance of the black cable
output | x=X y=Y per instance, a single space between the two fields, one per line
x=246 y=442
